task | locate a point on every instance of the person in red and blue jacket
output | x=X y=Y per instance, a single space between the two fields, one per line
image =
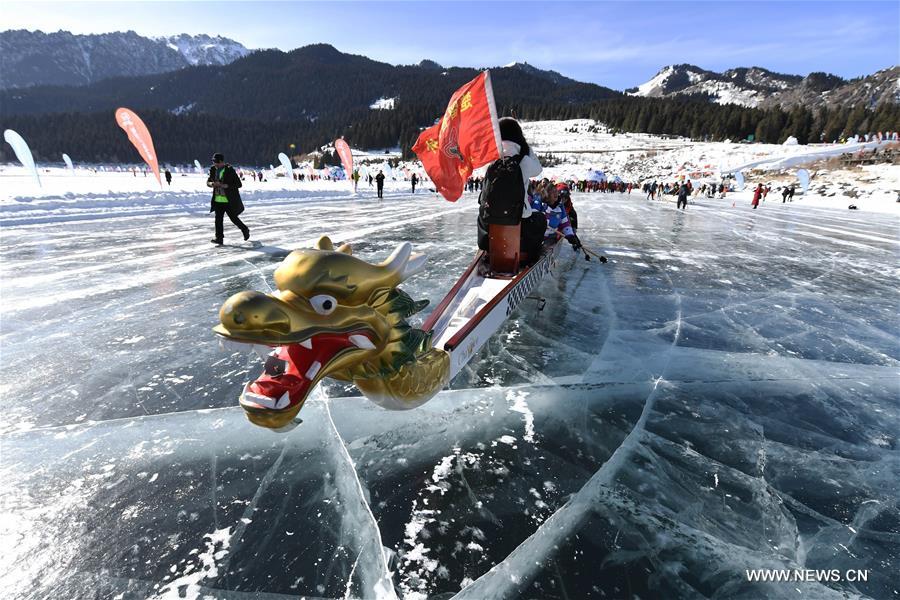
x=557 y=219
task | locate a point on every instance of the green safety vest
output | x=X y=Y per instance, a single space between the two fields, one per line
x=219 y=197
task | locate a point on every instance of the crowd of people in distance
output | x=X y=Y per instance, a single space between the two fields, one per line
x=474 y=184
x=605 y=186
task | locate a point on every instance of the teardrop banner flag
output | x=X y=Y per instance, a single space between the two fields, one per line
x=286 y=163
x=197 y=164
x=140 y=138
x=803 y=176
x=739 y=179
x=23 y=152
x=68 y=162
x=465 y=138
x=346 y=155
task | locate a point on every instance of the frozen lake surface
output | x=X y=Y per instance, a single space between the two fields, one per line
x=721 y=396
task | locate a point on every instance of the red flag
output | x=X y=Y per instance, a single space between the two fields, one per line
x=465 y=138
x=139 y=137
x=343 y=151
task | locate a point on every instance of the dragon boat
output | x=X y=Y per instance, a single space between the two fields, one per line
x=335 y=315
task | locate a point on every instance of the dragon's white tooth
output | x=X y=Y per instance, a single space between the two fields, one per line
x=261 y=400
x=283 y=401
x=313 y=370
x=307 y=343
x=257 y=400
x=361 y=341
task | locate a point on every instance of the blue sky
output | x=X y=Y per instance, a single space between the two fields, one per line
x=617 y=44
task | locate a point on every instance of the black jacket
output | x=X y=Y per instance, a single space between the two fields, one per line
x=229 y=177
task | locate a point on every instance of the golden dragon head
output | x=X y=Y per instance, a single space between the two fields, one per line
x=332 y=315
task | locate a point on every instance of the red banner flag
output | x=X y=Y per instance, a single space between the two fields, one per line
x=343 y=151
x=465 y=138
x=139 y=137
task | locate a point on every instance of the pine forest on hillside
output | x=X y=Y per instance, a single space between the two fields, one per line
x=94 y=137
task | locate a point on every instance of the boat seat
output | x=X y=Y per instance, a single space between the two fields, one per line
x=504 y=255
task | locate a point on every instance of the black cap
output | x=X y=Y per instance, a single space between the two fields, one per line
x=218 y=157
x=510 y=130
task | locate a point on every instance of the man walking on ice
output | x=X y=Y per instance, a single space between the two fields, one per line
x=226 y=199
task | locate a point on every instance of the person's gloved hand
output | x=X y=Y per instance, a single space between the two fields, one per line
x=576 y=243
x=603 y=259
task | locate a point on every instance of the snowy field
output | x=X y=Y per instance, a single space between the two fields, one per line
x=721 y=396
x=579 y=146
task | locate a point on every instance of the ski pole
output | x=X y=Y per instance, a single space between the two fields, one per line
x=600 y=257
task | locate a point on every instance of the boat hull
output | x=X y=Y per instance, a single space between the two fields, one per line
x=478 y=305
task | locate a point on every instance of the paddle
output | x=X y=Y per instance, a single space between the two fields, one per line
x=599 y=257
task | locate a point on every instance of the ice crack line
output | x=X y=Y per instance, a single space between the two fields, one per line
x=247 y=517
x=383 y=587
x=505 y=579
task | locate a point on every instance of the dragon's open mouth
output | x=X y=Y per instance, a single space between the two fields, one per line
x=292 y=370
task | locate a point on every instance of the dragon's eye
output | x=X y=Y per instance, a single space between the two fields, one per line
x=323 y=304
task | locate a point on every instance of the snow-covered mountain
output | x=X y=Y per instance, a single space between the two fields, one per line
x=747 y=87
x=756 y=86
x=29 y=58
x=206 y=50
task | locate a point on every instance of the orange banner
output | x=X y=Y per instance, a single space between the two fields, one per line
x=465 y=138
x=139 y=136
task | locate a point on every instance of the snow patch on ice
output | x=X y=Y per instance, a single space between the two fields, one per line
x=217 y=543
x=519 y=405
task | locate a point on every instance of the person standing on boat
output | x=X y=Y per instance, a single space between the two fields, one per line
x=499 y=202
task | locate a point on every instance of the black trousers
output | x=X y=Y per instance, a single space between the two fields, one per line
x=682 y=203
x=381 y=191
x=222 y=210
